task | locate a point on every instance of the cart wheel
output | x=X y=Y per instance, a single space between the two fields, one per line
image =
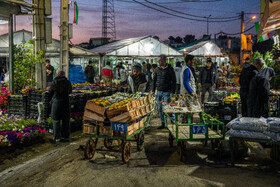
x=170 y=139
x=90 y=148
x=108 y=143
x=126 y=152
x=180 y=150
x=140 y=141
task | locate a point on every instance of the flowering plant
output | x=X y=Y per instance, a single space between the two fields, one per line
x=4 y=93
x=16 y=129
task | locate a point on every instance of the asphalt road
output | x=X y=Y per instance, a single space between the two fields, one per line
x=157 y=165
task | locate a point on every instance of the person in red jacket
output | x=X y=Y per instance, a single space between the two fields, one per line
x=107 y=74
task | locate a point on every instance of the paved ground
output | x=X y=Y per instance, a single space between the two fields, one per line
x=157 y=165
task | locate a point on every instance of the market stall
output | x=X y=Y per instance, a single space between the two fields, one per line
x=134 y=50
x=203 y=49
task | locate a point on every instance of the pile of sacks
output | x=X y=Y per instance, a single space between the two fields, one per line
x=255 y=128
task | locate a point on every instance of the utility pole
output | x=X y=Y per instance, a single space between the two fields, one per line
x=242 y=33
x=11 y=54
x=64 y=36
x=38 y=23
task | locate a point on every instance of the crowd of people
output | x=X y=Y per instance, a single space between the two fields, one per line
x=164 y=80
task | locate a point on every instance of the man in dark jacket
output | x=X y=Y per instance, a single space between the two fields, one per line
x=165 y=83
x=245 y=78
x=49 y=71
x=138 y=79
x=207 y=80
x=90 y=73
x=59 y=92
x=258 y=98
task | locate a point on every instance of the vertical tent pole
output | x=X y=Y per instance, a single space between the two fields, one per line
x=11 y=55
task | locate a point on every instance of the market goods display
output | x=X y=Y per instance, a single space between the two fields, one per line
x=231 y=98
x=17 y=130
x=119 y=108
x=255 y=128
x=248 y=134
x=248 y=124
x=182 y=104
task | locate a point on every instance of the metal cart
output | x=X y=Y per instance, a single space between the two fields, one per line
x=116 y=131
x=207 y=128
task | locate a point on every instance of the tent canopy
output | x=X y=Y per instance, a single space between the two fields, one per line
x=203 y=49
x=53 y=49
x=142 y=47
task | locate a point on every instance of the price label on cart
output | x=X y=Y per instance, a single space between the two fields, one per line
x=119 y=127
x=199 y=129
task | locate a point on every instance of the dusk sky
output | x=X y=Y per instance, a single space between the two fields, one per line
x=134 y=20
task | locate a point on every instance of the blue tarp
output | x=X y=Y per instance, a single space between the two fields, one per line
x=76 y=74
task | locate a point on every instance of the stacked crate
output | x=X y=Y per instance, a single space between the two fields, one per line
x=18 y=105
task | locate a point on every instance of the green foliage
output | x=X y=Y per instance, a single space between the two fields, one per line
x=49 y=120
x=271 y=60
x=24 y=65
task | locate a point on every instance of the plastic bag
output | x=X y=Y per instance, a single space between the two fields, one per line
x=247 y=134
x=248 y=124
x=273 y=135
x=6 y=77
x=274 y=124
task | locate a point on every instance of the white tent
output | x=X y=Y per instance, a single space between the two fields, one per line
x=137 y=47
x=77 y=55
x=203 y=49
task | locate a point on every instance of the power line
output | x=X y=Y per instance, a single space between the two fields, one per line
x=179 y=15
x=235 y=33
x=177 y=2
x=187 y=13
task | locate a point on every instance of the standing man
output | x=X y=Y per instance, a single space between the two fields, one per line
x=188 y=78
x=245 y=78
x=165 y=83
x=107 y=74
x=207 y=80
x=59 y=93
x=89 y=72
x=121 y=74
x=49 y=71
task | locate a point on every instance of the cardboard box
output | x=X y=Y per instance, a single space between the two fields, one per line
x=95 y=108
x=90 y=115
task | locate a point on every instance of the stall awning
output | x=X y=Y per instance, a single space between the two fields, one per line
x=271 y=17
x=203 y=49
x=52 y=50
x=136 y=47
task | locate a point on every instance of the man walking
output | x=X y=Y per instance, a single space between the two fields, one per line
x=90 y=73
x=165 y=83
x=49 y=71
x=207 y=80
x=245 y=78
x=188 y=77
